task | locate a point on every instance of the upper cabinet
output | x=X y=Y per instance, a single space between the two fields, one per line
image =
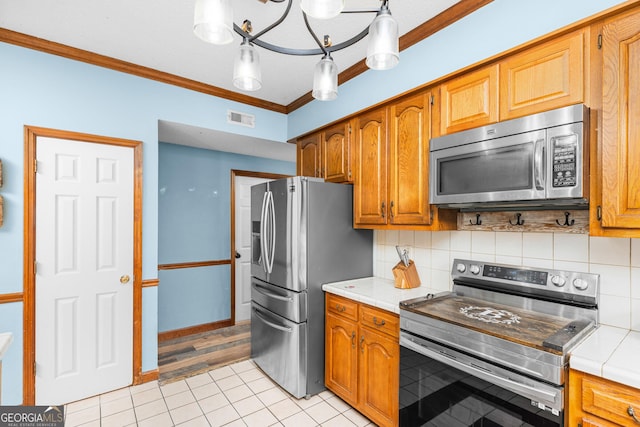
x=326 y=154
x=469 y=101
x=370 y=184
x=409 y=134
x=391 y=186
x=547 y=76
x=336 y=153
x=618 y=176
x=308 y=158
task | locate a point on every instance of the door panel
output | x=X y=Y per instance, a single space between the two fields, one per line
x=84 y=273
x=243 y=236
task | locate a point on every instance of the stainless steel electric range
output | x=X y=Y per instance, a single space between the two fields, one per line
x=495 y=350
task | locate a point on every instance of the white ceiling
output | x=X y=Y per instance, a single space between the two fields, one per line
x=158 y=34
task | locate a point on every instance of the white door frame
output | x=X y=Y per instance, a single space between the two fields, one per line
x=234 y=173
x=31 y=135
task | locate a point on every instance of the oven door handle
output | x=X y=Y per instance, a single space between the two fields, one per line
x=551 y=398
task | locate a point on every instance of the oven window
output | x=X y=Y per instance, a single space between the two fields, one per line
x=502 y=169
x=435 y=394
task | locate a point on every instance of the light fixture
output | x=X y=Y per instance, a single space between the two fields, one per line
x=322 y=9
x=213 y=20
x=325 y=79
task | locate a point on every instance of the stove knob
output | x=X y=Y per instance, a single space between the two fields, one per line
x=474 y=269
x=580 y=284
x=461 y=268
x=559 y=281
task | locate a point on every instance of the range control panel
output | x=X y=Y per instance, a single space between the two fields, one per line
x=562 y=284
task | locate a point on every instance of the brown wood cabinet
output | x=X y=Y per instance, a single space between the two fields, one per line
x=336 y=153
x=326 y=154
x=594 y=401
x=617 y=185
x=370 y=184
x=362 y=355
x=469 y=101
x=545 y=77
x=308 y=156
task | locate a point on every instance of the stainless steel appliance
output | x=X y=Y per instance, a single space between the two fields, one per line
x=536 y=160
x=302 y=237
x=495 y=350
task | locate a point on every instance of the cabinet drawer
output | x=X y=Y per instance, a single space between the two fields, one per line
x=342 y=307
x=380 y=320
x=609 y=400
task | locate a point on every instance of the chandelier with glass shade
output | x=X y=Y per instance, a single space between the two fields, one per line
x=213 y=23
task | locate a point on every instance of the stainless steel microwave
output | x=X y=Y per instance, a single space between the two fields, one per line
x=537 y=160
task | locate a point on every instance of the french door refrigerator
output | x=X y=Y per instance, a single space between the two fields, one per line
x=302 y=237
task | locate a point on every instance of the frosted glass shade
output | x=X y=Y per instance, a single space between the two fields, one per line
x=325 y=80
x=213 y=21
x=322 y=9
x=382 y=50
x=246 y=68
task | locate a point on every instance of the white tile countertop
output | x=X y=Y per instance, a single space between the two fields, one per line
x=376 y=291
x=5 y=341
x=610 y=353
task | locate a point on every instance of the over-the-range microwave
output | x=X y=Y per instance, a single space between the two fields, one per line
x=537 y=160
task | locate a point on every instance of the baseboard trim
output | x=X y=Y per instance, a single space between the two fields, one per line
x=149 y=376
x=191 y=330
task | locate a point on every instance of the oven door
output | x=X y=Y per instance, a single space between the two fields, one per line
x=443 y=387
x=510 y=168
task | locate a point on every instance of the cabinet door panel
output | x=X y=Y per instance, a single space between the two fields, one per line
x=341 y=358
x=308 y=156
x=545 y=77
x=378 y=377
x=410 y=131
x=337 y=152
x=620 y=125
x=470 y=100
x=370 y=185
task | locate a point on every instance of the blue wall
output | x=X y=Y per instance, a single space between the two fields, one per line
x=194 y=221
x=42 y=90
x=495 y=28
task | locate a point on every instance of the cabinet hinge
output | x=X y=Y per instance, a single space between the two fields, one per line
x=599 y=41
x=432 y=100
x=599 y=213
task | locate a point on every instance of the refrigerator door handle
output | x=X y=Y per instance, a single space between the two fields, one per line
x=272 y=210
x=265 y=291
x=263 y=233
x=273 y=325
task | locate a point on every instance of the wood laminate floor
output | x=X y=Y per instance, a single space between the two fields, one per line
x=187 y=356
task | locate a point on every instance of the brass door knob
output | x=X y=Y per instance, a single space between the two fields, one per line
x=124 y=279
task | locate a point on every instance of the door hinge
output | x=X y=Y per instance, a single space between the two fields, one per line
x=35 y=166
x=599 y=213
x=34 y=367
x=599 y=41
x=35 y=267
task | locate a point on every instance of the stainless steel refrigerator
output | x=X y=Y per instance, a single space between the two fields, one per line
x=302 y=237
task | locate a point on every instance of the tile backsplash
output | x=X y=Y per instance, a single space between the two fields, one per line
x=617 y=260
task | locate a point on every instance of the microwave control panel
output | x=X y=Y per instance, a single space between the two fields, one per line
x=564 y=157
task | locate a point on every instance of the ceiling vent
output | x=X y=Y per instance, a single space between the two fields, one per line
x=243 y=119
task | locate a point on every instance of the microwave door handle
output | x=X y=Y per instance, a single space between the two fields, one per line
x=538 y=164
x=263 y=233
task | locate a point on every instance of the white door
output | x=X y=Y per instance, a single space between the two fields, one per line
x=84 y=269
x=242 y=194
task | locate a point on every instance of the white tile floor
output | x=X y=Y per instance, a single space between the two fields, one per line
x=235 y=395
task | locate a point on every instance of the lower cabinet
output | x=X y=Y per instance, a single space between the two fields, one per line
x=362 y=356
x=595 y=401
